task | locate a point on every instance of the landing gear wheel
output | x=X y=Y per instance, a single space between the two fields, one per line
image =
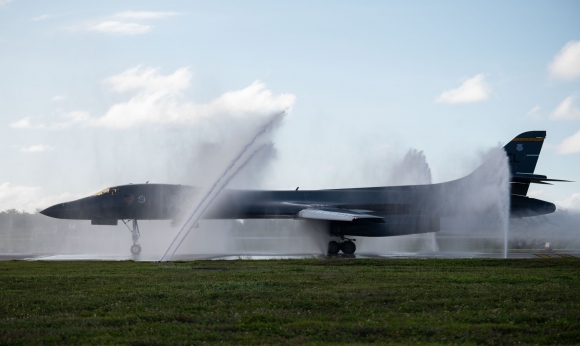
x=333 y=248
x=136 y=249
x=348 y=247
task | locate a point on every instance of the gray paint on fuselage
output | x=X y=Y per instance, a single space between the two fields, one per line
x=400 y=209
x=169 y=202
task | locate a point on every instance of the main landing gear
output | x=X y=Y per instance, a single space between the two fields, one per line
x=135 y=234
x=346 y=245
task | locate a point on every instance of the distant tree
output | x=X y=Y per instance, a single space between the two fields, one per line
x=12 y=212
x=13 y=218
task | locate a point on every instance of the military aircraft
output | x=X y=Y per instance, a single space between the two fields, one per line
x=354 y=212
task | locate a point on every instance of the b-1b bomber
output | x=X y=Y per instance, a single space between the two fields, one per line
x=353 y=212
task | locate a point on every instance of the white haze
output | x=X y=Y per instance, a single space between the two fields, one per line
x=482 y=199
x=560 y=229
x=183 y=142
x=482 y=202
x=248 y=150
x=412 y=169
x=193 y=143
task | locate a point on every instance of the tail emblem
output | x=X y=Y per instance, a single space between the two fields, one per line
x=519 y=147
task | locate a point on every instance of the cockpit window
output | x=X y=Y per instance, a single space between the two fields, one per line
x=102 y=192
x=110 y=190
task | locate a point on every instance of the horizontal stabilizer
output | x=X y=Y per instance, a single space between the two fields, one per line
x=534 y=178
x=335 y=214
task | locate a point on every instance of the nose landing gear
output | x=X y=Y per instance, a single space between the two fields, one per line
x=135 y=235
x=345 y=245
x=135 y=249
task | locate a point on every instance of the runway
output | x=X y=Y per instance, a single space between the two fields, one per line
x=193 y=257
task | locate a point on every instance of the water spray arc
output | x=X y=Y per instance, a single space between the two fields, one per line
x=205 y=204
x=239 y=162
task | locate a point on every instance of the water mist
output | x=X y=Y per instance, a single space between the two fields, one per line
x=238 y=162
x=477 y=206
x=412 y=169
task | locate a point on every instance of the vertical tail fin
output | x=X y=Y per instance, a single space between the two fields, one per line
x=523 y=153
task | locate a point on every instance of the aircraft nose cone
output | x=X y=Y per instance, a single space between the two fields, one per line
x=55 y=211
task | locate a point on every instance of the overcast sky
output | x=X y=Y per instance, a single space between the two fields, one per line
x=94 y=94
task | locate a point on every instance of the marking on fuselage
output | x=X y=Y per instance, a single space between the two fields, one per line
x=528 y=140
x=129 y=199
x=141 y=199
x=512 y=157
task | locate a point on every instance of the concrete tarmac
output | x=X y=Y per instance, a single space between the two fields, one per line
x=193 y=257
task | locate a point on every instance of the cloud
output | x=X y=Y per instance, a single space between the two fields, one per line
x=115 y=27
x=572 y=202
x=67 y=119
x=472 y=90
x=4 y=2
x=533 y=113
x=58 y=98
x=21 y=124
x=36 y=149
x=126 y=23
x=29 y=198
x=566 y=110
x=76 y=116
x=149 y=80
x=570 y=145
x=42 y=17
x=566 y=64
x=158 y=99
x=144 y=15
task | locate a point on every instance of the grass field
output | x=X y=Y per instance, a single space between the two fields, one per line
x=477 y=301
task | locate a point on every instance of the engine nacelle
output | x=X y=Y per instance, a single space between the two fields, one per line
x=525 y=207
x=393 y=225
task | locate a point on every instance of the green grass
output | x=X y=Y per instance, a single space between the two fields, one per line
x=433 y=301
